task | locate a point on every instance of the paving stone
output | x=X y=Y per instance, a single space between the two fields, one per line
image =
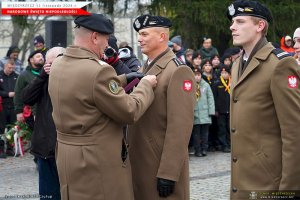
x=209 y=177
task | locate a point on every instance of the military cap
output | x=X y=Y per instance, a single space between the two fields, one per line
x=248 y=8
x=148 y=21
x=95 y=22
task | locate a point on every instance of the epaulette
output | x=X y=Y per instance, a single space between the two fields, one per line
x=177 y=61
x=279 y=53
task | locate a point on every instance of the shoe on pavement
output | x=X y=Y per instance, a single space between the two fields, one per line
x=226 y=150
x=198 y=154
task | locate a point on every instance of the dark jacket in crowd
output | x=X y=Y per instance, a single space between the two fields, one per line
x=7 y=84
x=208 y=53
x=222 y=97
x=128 y=58
x=23 y=80
x=43 y=139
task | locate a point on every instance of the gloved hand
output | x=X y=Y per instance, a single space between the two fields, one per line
x=165 y=187
x=133 y=75
x=111 y=59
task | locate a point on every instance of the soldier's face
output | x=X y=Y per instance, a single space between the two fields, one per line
x=244 y=31
x=148 y=39
x=297 y=46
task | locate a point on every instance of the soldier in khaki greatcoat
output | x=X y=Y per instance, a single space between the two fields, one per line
x=89 y=110
x=158 y=141
x=265 y=107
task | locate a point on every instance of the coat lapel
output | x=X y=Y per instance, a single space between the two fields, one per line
x=159 y=64
x=261 y=55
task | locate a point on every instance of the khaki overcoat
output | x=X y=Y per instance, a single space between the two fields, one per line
x=159 y=139
x=265 y=124
x=89 y=110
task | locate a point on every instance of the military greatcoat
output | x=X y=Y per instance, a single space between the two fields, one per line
x=89 y=110
x=265 y=124
x=159 y=139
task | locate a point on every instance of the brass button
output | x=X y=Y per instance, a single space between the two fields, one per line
x=233 y=130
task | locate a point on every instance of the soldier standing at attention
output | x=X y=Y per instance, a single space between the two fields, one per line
x=265 y=107
x=159 y=139
x=90 y=109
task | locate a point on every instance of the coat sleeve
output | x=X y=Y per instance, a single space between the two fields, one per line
x=285 y=89
x=115 y=103
x=18 y=101
x=32 y=92
x=180 y=119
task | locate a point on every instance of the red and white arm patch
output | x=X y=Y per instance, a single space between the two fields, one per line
x=187 y=85
x=292 y=82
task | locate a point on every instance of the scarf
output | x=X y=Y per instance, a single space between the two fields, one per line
x=227 y=86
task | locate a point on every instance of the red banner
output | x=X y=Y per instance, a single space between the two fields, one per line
x=43 y=11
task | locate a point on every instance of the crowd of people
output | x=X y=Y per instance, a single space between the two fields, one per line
x=236 y=102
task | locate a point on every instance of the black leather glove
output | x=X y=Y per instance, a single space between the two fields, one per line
x=165 y=187
x=133 y=75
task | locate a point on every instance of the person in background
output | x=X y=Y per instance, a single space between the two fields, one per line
x=178 y=48
x=226 y=59
x=12 y=54
x=264 y=108
x=196 y=60
x=43 y=139
x=296 y=39
x=188 y=54
x=215 y=61
x=159 y=139
x=222 y=97
x=204 y=109
x=39 y=44
x=111 y=56
x=207 y=50
x=127 y=56
x=35 y=64
x=8 y=78
x=286 y=44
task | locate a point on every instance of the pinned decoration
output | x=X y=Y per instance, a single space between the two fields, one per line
x=113 y=87
x=187 y=85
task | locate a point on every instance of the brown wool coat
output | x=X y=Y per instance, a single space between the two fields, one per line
x=159 y=140
x=89 y=117
x=265 y=125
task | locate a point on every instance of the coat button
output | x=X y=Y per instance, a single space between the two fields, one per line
x=235 y=99
x=233 y=130
x=234 y=159
x=234 y=189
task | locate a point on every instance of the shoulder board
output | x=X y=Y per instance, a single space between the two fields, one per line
x=279 y=53
x=178 y=62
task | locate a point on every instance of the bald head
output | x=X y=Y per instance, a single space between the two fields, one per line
x=53 y=53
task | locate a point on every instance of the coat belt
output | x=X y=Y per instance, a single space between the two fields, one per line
x=75 y=139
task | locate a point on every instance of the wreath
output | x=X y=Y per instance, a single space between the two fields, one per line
x=19 y=134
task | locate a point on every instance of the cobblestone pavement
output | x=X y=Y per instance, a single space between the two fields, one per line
x=209 y=177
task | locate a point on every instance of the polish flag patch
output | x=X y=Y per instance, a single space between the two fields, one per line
x=187 y=85
x=292 y=81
